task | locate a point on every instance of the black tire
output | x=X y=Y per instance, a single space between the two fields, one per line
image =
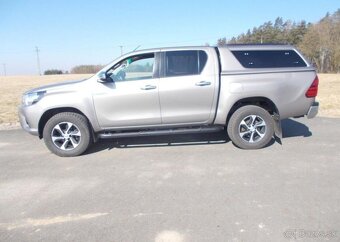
x=248 y=135
x=76 y=142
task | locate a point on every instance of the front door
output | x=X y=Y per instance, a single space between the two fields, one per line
x=131 y=99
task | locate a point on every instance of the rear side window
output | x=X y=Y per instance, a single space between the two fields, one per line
x=183 y=63
x=269 y=58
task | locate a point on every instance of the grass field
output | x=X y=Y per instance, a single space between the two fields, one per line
x=12 y=87
x=329 y=95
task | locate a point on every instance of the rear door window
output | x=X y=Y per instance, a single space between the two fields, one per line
x=183 y=63
x=269 y=58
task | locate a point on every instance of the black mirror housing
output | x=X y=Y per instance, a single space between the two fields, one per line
x=103 y=78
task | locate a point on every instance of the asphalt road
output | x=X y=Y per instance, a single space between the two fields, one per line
x=174 y=188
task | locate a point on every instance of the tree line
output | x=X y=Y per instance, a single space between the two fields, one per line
x=319 y=42
x=86 y=69
x=81 y=69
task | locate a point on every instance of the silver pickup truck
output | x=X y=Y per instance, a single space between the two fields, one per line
x=245 y=89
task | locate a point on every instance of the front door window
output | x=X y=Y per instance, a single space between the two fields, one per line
x=139 y=67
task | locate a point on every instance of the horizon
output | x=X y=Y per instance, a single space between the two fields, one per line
x=67 y=36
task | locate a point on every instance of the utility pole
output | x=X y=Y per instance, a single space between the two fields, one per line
x=4 y=64
x=38 y=60
x=121 y=50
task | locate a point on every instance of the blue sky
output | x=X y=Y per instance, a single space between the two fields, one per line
x=70 y=33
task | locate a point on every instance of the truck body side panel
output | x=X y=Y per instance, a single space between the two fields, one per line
x=285 y=90
x=285 y=87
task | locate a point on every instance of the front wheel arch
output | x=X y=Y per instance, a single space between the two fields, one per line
x=51 y=112
x=67 y=134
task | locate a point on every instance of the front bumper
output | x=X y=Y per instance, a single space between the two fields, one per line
x=25 y=124
x=313 y=110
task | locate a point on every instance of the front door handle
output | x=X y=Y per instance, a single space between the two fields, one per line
x=148 y=87
x=203 y=83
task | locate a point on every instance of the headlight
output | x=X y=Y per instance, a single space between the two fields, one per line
x=32 y=98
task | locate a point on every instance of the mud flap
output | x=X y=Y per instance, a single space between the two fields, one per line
x=277 y=128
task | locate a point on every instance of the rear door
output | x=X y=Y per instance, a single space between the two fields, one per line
x=187 y=87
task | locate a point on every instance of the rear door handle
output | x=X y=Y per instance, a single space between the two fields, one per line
x=148 y=87
x=203 y=83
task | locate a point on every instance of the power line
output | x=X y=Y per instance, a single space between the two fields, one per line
x=38 y=60
x=4 y=65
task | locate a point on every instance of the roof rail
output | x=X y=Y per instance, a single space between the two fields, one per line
x=258 y=44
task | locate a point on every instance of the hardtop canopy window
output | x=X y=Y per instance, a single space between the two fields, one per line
x=268 y=58
x=182 y=63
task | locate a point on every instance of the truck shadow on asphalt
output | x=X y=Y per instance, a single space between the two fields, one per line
x=293 y=128
x=290 y=128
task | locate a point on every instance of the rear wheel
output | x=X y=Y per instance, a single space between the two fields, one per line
x=67 y=134
x=251 y=127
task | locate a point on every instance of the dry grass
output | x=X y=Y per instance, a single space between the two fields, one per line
x=329 y=95
x=12 y=87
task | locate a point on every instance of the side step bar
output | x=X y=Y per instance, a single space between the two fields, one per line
x=112 y=134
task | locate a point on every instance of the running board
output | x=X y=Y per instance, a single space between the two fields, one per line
x=113 y=134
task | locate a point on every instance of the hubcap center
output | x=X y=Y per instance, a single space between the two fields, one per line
x=252 y=128
x=66 y=136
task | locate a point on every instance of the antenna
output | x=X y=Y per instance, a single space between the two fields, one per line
x=136 y=48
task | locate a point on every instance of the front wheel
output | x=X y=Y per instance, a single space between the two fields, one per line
x=251 y=127
x=67 y=134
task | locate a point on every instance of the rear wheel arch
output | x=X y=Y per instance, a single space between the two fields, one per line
x=262 y=102
x=51 y=112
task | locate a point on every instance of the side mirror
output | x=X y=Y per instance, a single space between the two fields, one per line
x=103 y=77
